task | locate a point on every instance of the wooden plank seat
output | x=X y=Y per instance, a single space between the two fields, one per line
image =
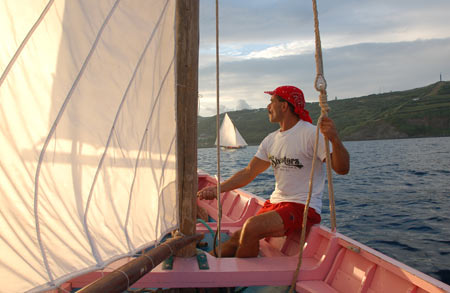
x=386 y=281
x=319 y=252
x=349 y=273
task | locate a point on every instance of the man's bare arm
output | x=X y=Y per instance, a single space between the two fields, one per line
x=340 y=159
x=239 y=179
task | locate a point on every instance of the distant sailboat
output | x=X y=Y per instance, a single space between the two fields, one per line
x=230 y=137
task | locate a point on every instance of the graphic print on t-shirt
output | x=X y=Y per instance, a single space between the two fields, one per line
x=285 y=163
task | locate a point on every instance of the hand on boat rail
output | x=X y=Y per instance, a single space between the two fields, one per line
x=209 y=192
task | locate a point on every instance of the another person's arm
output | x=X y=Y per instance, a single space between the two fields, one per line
x=239 y=179
x=340 y=159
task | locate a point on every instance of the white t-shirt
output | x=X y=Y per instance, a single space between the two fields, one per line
x=290 y=153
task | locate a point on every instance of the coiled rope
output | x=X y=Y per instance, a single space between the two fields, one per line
x=320 y=85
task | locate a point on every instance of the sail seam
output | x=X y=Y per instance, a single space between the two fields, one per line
x=25 y=41
x=139 y=155
x=124 y=97
x=47 y=141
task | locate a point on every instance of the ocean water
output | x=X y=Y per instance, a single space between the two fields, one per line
x=395 y=199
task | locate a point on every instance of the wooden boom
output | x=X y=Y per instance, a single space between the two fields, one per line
x=122 y=278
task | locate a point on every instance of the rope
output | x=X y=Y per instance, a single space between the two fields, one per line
x=25 y=42
x=206 y=225
x=170 y=248
x=150 y=259
x=219 y=206
x=305 y=213
x=58 y=118
x=126 y=276
x=320 y=85
x=63 y=289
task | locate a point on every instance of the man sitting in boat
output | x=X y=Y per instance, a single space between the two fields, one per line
x=290 y=151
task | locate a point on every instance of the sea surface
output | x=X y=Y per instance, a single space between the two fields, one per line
x=395 y=199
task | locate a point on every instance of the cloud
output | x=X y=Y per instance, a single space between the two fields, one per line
x=283 y=21
x=374 y=68
x=242 y=105
x=286 y=49
x=350 y=71
x=208 y=107
x=368 y=47
x=252 y=21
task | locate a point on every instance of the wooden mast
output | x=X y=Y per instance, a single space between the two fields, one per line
x=187 y=46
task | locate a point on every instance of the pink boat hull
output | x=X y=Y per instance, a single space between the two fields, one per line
x=331 y=261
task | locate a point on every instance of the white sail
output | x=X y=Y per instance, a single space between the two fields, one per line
x=229 y=135
x=88 y=135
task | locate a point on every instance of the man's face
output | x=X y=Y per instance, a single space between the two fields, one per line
x=274 y=109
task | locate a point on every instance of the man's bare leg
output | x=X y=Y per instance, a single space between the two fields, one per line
x=269 y=224
x=229 y=247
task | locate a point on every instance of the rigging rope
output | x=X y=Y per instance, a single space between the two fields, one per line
x=320 y=85
x=219 y=206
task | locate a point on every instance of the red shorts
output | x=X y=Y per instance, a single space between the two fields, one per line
x=292 y=215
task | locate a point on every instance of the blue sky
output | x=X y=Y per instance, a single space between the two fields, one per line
x=369 y=46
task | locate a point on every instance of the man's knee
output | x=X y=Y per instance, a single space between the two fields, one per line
x=264 y=225
x=252 y=227
x=235 y=236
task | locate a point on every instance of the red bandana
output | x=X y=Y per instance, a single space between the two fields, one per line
x=295 y=97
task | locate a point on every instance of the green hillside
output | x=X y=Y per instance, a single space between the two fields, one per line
x=419 y=112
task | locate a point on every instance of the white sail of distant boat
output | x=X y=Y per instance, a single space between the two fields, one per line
x=230 y=136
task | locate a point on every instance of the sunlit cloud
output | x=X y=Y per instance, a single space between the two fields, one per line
x=368 y=47
x=286 y=49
